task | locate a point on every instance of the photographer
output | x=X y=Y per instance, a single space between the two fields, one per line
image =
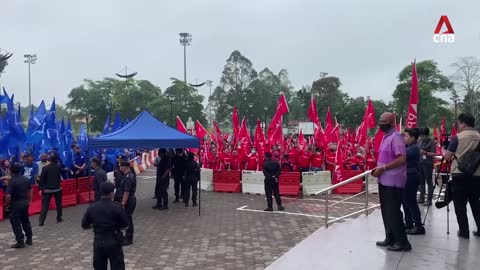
x=427 y=151
x=465 y=188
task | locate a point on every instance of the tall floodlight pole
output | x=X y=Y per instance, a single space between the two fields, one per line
x=185 y=40
x=30 y=59
x=210 y=84
x=171 y=98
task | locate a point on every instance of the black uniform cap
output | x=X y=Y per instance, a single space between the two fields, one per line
x=106 y=188
x=124 y=164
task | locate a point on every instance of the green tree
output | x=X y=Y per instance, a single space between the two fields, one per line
x=466 y=91
x=430 y=82
x=328 y=94
x=3 y=64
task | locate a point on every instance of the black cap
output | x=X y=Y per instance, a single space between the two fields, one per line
x=106 y=188
x=121 y=157
x=124 y=164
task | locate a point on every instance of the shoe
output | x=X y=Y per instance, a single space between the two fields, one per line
x=186 y=205
x=463 y=235
x=418 y=230
x=194 y=204
x=281 y=208
x=29 y=241
x=421 y=200
x=268 y=209
x=175 y=201
x=384 y=243
x=41 y=224
x=428 y=203
x=408 y=227
x=154 y=197
x=163 y=208
x=397 y=247
x=477 y=233
x=18 y=245
x=127 y=243
x=59 y=220
x=156 y=206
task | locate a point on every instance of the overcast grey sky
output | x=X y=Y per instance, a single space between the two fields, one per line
x=365 y=43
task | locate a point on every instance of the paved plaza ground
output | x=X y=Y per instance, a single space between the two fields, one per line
x=232 y=232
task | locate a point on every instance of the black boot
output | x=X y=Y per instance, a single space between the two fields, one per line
x=18 y=245
x=397 y=247
x=281 y=208
x=268 y=209
x=384 y=243
x=29 y=241
x=417 y=230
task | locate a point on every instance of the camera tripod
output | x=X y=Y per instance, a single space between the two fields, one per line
x=443 y=190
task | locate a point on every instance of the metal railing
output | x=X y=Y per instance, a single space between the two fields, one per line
x=367 y=208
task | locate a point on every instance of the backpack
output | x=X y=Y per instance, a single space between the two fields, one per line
x=469 y=162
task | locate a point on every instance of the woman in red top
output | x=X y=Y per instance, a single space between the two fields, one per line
x=234 y=164
x=252 y=161
x=316 y=160
x=304 y=160
x=330 y=158
x=225 y=160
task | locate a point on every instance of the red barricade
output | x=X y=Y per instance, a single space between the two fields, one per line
x=2 y=198
x=226 y=181
x=85 y=193
x=353 y=187
x=69 y=194
x=36 y=205
x=289 y=183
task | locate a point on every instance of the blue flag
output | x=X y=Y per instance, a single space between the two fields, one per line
x=36 y=125
x=50 y=129
x=106 y=127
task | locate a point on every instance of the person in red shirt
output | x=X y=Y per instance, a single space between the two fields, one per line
x=234 y=164
x=330 y=157
x=252 y=161
x=225 y=160
x=293 y=155
x=371 y=160
x=286 y=164
x=316 y=160
x=304 y=160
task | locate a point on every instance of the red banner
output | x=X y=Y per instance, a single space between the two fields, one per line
x=200 y=131
x=313 y=114
x=328 y=122
x=302 y=143
x=235 y=125
x=275 y=133
x=413 y=104
x=338 y=171
x=259 y=139
x=180 y=126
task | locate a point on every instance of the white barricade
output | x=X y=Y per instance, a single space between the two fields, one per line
x=146 y=160
x=313 y=182
x=206 y=178
x=253 y=182
x=142 y=167
x=151 y=156
x=134 y=165
x=372 y=184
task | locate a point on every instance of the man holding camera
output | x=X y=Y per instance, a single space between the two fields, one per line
x=465 y=188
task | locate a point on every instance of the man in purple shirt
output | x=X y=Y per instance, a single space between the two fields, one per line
x=391 y=171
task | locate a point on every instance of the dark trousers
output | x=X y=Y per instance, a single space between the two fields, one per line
x=272 y=186
x=425 y=177
x=178 y=186
x=466 y=190
x=108 y=250
x=410 y=205
x=46 y=202
x=390 y=202
x=19 y=219
x=130 y=208
x=186 y=191
x=161 y=191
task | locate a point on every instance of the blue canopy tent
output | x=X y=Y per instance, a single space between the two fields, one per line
x=145 y=131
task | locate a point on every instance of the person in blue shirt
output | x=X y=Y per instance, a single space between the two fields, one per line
x=79 y=163
x=413 y=219
x=30 y=170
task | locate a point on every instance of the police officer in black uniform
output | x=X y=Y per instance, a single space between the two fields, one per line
x=107 y=218
x=118 y=177
x=178 y=171
x=162 y=163
x=18 y=196
x=272 y=170
x=192 y=176
x=129 y=201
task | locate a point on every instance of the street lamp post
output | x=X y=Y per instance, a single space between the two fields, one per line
x=265 y=119
x=185 y=40
x=250 y=105
x=30 y=59
x=171 y=98
x=210 y=84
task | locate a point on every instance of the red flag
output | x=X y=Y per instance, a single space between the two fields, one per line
x=302 y=143
x=454 y=131
x=435 y=132
x=244 y=136
x=399 y=126
x=235 y=124
x=377 y=141
x=218 y=136
x=395 y=119
x=412 y=106
x=313 y=115
x=369 y=116
x=334 y=135
x=180 y=126
x=443 y=130
x=328 y=122
x=338 y=171
x=259 y=139
x=275 y=133
x=200 y=131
